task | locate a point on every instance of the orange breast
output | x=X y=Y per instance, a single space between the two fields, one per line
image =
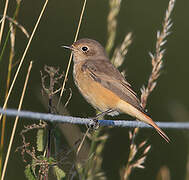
x=98 y=96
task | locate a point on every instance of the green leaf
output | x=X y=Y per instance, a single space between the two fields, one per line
x=29 y=173
x=40 y=140
x=60 y=174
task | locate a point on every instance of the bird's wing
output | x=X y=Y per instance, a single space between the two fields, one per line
x=103 y=72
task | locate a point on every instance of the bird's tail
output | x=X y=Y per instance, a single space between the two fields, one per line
x=131 y=110
x=149 y=121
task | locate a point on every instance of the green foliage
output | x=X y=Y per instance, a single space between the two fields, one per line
x=29 y=173
x=40 y=140
x=60 y=174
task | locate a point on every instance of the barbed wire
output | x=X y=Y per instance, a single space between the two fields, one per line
x=88 y=121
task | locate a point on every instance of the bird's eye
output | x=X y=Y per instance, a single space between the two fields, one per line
x=84 y=48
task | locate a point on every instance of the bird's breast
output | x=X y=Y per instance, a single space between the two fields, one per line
x=99 y=97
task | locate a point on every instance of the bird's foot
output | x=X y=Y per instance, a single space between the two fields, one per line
x=94 y=125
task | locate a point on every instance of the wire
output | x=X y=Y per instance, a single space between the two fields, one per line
x=77 y=120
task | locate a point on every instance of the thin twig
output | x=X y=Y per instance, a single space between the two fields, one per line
x=16 y=121
x=82 y=141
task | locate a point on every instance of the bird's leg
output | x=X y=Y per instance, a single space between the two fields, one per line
x=104 y=113
x=95 y=123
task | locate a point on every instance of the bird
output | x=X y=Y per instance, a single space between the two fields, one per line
x=102 y=85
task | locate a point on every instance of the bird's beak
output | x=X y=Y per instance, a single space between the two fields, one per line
x=68 y=47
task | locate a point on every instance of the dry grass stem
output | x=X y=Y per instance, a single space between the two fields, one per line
x=16 y=121
x=24 y=54
x=82 y=141
x=70 y=59
x=157 y=58
x=12 y=38
x=157 y=61
x=121 y=51
x=132 y=161
x=18 y=25
x=3 y=19
x=69 y=98
x=112 y=23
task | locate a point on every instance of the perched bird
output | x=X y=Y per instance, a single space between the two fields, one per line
x=102 y=85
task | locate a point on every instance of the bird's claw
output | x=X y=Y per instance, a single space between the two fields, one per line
x=94 y=124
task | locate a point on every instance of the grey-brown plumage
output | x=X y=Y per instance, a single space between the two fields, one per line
x=109 y=77
x=102 y=84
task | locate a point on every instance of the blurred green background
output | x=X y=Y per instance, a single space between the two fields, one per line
x=168 y=102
